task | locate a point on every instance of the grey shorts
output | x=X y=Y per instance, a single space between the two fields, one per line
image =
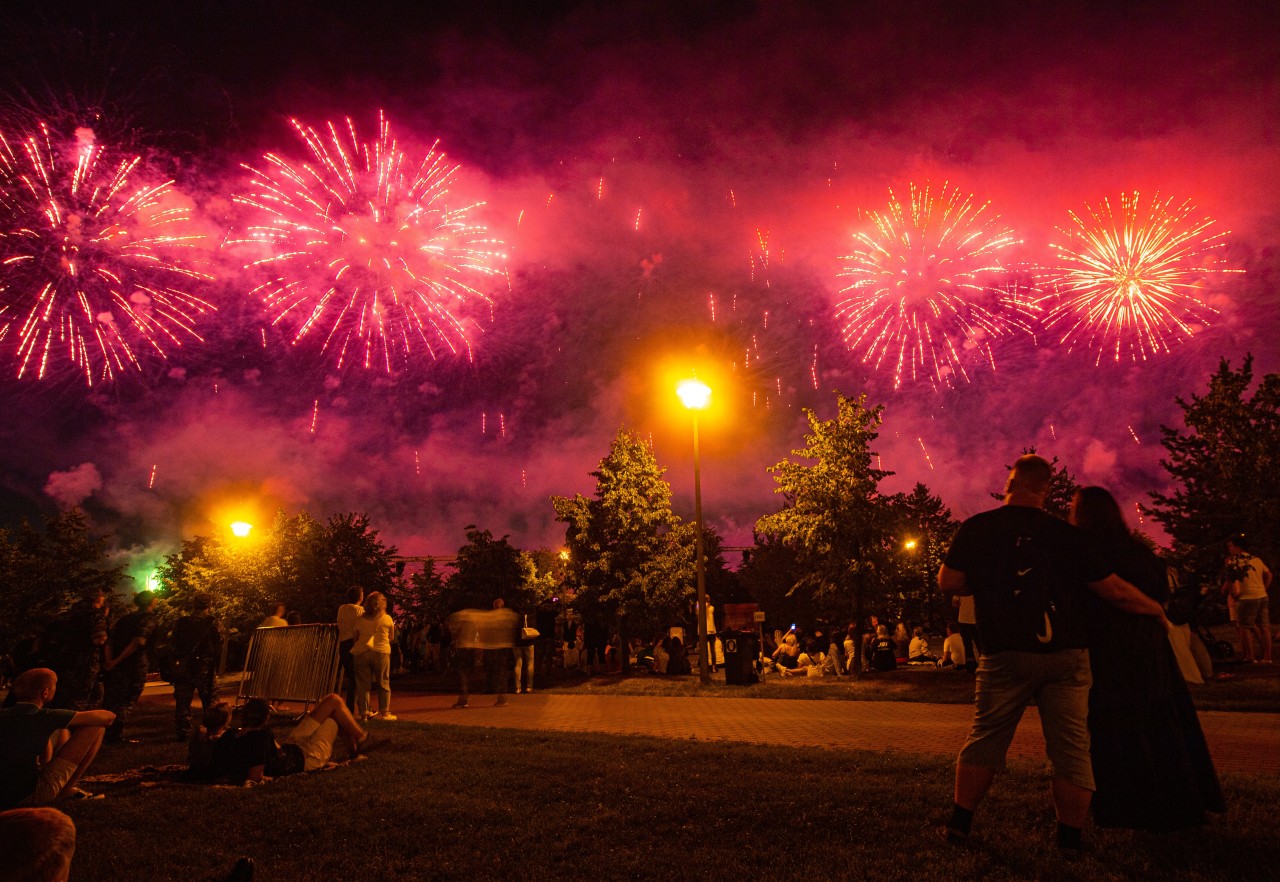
x=54 y=776
x=1253 y=612
x=1059 y=683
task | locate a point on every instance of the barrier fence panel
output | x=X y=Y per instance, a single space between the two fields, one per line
x=291 y=663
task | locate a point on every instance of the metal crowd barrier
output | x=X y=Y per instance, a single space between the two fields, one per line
x=291 y=663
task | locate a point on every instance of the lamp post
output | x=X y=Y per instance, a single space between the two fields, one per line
x=695 y=395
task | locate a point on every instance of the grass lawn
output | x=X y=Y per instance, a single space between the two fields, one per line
x=444 y=802
x=1250 y=688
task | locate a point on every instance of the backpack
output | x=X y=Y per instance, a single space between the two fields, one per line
x=1026 y=600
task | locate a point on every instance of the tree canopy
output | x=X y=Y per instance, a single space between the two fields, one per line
x=1225 y=470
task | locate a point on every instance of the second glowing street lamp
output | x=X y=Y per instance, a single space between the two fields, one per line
x=695 y=395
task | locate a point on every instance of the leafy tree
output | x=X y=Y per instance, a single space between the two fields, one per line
x=1226 y=470
x=770 y=573
x=489 y=568
x=834 y=518
x=627 y=550
x=423 y=596
x=44 y=572
x=925 y=529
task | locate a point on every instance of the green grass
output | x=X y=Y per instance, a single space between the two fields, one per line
x=445 y=802
x=1251 y=688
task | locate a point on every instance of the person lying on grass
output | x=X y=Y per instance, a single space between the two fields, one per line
x=251 y=753
x=44 y=751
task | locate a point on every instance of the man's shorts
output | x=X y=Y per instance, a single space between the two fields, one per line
x=1253 y=612
x=1059 y=683
x=54 y=776
x=315 y=740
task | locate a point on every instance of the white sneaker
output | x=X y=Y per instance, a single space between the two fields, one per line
x=391 y=718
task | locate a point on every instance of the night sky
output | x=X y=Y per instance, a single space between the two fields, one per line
x=647 y=166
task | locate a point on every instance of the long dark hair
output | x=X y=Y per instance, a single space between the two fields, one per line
x=1095 y=510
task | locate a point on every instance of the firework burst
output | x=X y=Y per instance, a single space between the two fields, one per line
x=95 y=270
x=917 y=299
x=365 y=254
x=1129 y=281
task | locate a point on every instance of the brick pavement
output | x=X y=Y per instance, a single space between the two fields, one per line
x=1247 y=744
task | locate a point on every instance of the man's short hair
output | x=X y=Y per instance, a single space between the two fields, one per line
x=255 y=712
x=355 y=594
x=29 y=684
x=202 y=602
x=143 y=599
x=1032 y=473
x=36 y=844
x=216 y=716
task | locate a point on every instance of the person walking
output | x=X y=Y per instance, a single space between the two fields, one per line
x=371 y=657
x=196 y=644
x=348 y=614
x=128 y=662
x=1027 y=572
x=524 y=652
x=1248 y=581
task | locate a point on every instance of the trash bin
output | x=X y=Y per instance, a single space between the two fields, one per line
x=740 y=652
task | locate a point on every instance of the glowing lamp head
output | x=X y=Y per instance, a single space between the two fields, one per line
x=909 y=545
x=241 y=529
x=694 y=394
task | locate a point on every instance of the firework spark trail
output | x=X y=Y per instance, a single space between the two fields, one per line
x=97 y=268
x=364 y=250
x=917 y=300
x=925 y=451
x=1129 y=281
x=151 y=483
x=1135 y=436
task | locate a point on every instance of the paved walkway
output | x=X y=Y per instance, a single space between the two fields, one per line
x=1245 y=744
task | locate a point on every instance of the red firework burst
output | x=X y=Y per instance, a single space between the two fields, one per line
x=96 y=269
x=365 y=252
x=920 y=298
x=1129 y=282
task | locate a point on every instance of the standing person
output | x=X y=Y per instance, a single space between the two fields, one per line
x=45 y=751
x=464 y=645
x=500 y=636
x=1027 y=572
x=348 y=614
x=196 y=643
x=525 y=654
x=76 y=653
x=968 y=630
x=275 y=617
x=1248 y=580
x=371 y=656
x=128 y=662
x=1150 y=760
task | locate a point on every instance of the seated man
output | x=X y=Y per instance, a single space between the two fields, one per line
x=883 y=654
x=36 y=844
x=45 y=751
x=251 y=753
x=953 y=648
x=214 y=722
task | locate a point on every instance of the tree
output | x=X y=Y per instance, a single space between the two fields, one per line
x=1226 y=470
x=627 y=551
x=834 y=517
x=422 y=596
x=489 y=568
x=925 y=529
x=43 y=573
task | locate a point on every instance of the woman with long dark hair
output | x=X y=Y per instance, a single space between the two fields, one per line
x=1150 y=761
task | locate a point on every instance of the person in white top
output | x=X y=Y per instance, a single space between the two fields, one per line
x=371 y=656
x=1248 y=580
x=953 y=648
x=348 y=613
x=275 y=616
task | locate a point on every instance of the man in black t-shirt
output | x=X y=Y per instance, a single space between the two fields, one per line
x=196 y=643
x=127 y=663
x=1046 y=661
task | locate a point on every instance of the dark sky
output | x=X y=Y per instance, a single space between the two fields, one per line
x=745 y=138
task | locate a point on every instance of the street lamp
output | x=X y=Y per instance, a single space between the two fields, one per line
x=695 y=395
x=241 y=529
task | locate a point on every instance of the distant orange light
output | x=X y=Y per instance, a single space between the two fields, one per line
x=241 y=528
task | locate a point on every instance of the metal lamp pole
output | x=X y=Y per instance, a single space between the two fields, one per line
x=695 y=394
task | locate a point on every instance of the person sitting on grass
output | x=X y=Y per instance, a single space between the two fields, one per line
x=953 y=656
x=214 y=722
x=251 y=753
x=44 y=751
x=36 y=845
x=811 y=657
x=883 y=653
x=787 y=655
x=918 y=653
x=678 y=662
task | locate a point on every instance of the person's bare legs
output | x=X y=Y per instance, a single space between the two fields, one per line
x=972 y=784
x=333 y=707
x=1263 y=630
x=1246 y=642
x=1070 y=802
x=81 y=749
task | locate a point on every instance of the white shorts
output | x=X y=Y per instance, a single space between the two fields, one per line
x=315 y=740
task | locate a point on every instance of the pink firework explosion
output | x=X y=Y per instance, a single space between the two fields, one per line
x=365 y=253
x=1129 y=282
x=96 y=269
x=925 y=295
